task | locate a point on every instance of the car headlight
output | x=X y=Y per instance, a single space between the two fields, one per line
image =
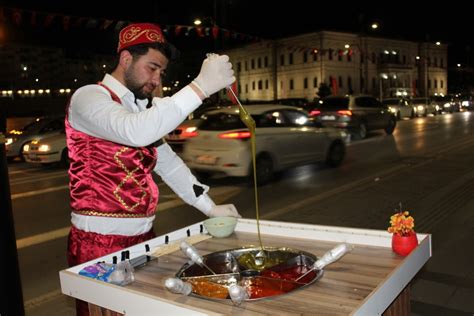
x=393 y=110
x=26 y=148
x=8 y=141
x=420 y=108
x=44 y=148
x=447 y=105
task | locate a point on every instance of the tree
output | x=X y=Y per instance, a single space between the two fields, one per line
x=324 y=90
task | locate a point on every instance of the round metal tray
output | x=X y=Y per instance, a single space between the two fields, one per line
x=274 y=274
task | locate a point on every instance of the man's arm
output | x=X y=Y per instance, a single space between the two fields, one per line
x=93 y=112
x=179 y=178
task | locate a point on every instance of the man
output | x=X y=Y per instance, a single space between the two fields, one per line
x=114 y=142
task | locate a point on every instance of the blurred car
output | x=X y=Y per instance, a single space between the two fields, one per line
x=285 y=137
x=400 y=108
x=446 y=104
x=182 y=133
x=467 y=101
x=357 y=114
x=47 y=150
x=39 y=128
x=424 y=106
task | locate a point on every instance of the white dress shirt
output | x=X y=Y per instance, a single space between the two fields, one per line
x=92 y=111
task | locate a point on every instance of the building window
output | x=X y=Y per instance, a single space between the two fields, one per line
x=252 y=64
x=340 y=81
x=441 y=63
x=281 y=85
x=282 y=60
x=404 y=59
x=374 y=83
x=349 y=82
x=436 y=83
x=305 y=57
x=253 y=85
x=339 y=56
x=305 y=83
x=291 y=84
x=349 y=57
x=330 y=52
x=435 y=62
x=265 y=61
x=246 y=67
x=429 y=83
x=266 y=84
x=291 y=59
x=260 y=85
x=259 y=62
x=315 y=56
x=441 y=83
x=315 y=82
x=246 y=88
x=239 y=65
x=374 y=58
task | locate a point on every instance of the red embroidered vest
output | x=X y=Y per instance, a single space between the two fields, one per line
x=110 y=179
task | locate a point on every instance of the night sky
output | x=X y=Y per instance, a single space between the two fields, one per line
x=271 y=19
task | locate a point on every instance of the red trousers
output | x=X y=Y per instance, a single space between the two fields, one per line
x=83 y=246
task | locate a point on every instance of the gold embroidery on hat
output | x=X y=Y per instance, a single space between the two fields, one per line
x=135 y=32
x=129 y=176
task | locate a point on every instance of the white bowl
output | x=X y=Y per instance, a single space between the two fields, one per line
x=220 y=226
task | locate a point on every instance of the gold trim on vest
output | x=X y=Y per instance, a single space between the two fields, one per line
x=116 y=215
x=127 y=177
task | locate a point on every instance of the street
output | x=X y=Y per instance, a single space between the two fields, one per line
x=426 y=166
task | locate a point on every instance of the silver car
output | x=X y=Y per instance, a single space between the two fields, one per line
x=39 y=128
x=285 y=136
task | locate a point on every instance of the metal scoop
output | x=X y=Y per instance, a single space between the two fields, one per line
x=329 y=257
x=192 y=254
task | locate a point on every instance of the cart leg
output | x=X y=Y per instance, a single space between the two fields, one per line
x=95 y=310
x=401 y=305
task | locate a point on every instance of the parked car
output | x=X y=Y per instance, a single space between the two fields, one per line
x=285 y=137
x=357 y=114
x=47 y=150
x=39 y=128
x=400 y=108
x=425 y=106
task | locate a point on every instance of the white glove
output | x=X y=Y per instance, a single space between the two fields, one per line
x=216 y=74
x=224 y=210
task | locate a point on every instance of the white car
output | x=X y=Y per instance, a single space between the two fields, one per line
x=37 y=129
x=400 y=108
x=47 y=150
x=285 y=137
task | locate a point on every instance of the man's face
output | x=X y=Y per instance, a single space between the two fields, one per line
x=144 y=74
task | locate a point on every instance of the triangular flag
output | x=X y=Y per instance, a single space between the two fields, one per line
x=48 y=20
x=17 y=16
x=66 y=22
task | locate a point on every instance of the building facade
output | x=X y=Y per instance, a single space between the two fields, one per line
x=294 y=67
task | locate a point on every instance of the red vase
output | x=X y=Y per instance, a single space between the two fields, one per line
x=403 y=245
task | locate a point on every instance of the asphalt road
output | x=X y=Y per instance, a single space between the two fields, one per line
x=426 y=165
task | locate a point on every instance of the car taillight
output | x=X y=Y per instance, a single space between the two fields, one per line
x=235 y=135
x=315 y=112
x=344 y=112
x=190 y=132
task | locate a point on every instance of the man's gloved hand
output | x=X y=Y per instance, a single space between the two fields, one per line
x=224 y=210
x=216 y=74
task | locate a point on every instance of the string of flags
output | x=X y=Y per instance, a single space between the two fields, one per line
x=21 y=17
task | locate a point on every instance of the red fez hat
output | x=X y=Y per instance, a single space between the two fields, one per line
x=140 y=33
